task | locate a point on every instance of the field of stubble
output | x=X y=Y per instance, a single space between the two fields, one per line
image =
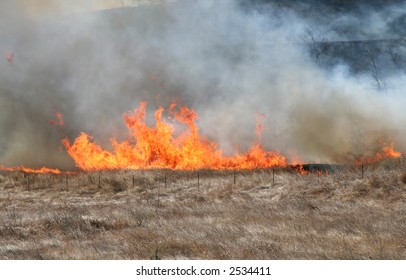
x=133 y=215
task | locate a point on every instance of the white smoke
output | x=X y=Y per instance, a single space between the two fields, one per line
x=225 y=61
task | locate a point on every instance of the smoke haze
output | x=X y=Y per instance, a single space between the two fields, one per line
x=227 y=60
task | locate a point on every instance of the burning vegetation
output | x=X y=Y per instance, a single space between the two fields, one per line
x=159 y=146
x=236 y=62
x=324 y=180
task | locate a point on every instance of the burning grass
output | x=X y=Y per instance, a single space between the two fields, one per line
x=160 y=147
x=163 y=214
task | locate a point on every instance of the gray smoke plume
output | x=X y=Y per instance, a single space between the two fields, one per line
x=227 y=60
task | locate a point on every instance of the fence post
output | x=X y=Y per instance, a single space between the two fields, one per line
x=157 y=205
x=273 y=175
x=28 y=180
x=165 y=179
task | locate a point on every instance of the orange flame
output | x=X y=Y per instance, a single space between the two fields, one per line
x=300 y=170
x=158 y=147
x=31 y=170
x=388 y=151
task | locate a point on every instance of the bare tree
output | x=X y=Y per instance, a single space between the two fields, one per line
x=371 y=55
x=318 y=44
x=396 y=51
x=394 y=55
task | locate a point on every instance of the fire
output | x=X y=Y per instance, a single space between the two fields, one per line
x=159 y=147
x=388 y=151
x=300 y=170
x=31 y=170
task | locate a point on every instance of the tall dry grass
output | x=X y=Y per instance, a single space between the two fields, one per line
x=133 y=215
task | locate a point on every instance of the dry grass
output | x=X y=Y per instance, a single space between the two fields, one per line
x=403 y=178
x=132 y=215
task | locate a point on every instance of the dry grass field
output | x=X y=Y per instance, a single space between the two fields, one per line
x=133 y=215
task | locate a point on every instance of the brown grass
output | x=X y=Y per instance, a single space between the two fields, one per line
x=403 y=178
x=338 y=216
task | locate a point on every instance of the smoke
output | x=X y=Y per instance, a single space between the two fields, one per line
x=227 y=61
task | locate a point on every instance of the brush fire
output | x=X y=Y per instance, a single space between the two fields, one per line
x=206 y=129
x=236 y=70
x=159 y=147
